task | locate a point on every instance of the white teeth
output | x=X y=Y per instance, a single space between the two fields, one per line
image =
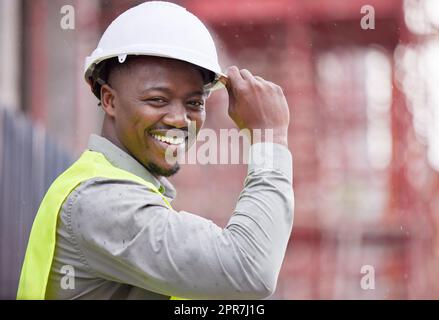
x=169 y=140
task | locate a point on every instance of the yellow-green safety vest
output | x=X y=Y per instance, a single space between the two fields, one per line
x=42 y=240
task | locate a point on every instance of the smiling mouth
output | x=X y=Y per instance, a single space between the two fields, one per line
x=168 y=140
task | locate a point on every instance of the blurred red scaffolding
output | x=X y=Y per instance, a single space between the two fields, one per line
x=282 y=41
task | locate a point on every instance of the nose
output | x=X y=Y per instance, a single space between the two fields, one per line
x=177 y=116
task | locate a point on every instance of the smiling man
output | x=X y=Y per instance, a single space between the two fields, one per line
x=157 y=96
x=106 y=229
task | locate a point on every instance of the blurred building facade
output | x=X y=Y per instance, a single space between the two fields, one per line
x=363 y=131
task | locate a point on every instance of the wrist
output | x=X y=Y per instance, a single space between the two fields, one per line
x=269 y=135
x=282 y=140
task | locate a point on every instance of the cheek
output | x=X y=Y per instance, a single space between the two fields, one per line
x=127 y=123
x=149 y=117
x=199 y=120
x=125 y=114
x=141 y=118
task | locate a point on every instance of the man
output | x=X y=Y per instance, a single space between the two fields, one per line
x=106 y=230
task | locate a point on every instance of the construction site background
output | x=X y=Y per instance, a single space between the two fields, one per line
x=364 y=132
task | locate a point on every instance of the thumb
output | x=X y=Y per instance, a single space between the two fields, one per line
x=234 y=77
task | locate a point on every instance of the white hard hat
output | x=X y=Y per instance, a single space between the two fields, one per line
x=157 y=28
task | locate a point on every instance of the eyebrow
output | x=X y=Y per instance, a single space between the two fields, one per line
x=169 y=91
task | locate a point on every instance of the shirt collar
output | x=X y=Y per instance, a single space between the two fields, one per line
x=119 y=158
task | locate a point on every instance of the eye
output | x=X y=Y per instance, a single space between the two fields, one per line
x=196 y=104
x=157 y=101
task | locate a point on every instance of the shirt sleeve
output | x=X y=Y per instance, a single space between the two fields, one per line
x=127 y=234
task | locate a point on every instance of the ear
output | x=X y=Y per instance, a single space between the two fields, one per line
x=107 y=100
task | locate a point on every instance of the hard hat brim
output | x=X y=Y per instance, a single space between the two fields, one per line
x=92 y=61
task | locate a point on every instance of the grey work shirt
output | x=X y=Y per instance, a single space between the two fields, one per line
x=122 y=242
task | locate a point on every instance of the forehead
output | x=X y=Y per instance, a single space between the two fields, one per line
x=142 y=72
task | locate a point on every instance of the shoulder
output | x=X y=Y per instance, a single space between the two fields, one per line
x=102 y=193
x=100 y=200
x=102 y=207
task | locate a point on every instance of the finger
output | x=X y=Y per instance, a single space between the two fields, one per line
x=246 y=75
x=234 y=75
x=260 y=79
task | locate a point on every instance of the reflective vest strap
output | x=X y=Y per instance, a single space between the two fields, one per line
x=42 y=241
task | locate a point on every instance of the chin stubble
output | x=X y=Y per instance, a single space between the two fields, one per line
x=159 y=171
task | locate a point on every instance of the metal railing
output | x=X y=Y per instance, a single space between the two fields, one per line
x=29 y=162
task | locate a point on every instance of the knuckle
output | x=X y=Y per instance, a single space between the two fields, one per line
x=279 y=88
x=258 y=85
x=240 y=86
x=232 y=72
